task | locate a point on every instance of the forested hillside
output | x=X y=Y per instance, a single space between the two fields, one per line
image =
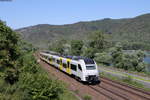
x=130 y=29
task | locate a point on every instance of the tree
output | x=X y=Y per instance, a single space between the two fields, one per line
x=117 y=55
x=95 y=43
x=97 y=40
x=138 y=63
x=9 y=53
x=132 y=61
x=89 y=52
x=58 y=46
x=126 y=61
x=104 y=58
x=141 y=67
x=76 y=47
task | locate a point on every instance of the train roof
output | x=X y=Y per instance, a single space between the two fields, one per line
x=50 y=52
x=86 y=60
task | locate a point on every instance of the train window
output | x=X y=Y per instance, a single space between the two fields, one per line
x=58 y=62
x=46 y=57
x=73 y=67
x=90 y=67
x=53 y=59
x=88 y=61
x=64 y=65
x=79 y=66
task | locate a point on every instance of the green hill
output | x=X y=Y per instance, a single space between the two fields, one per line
x=135 y=29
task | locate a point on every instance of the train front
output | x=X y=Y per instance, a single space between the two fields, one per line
x=91 y=73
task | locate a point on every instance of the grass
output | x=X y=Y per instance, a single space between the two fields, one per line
x=127 y=80
x=144 y=74
x=76 y=91
x=87 y=97
x=130 y=81
x=68 y=96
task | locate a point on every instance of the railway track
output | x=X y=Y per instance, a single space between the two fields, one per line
x=109 y=93
x=108 y=96
x=132 y=90
x=118 y=91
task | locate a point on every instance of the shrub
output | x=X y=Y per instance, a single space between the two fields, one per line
x=28 y=63
x=127 y=79
x=40 y=87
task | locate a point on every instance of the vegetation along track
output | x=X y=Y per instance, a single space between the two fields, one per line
x=106 y=90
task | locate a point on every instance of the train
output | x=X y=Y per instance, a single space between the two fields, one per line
x=81 y=68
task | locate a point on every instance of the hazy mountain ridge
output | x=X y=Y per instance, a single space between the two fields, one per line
x=131 y=29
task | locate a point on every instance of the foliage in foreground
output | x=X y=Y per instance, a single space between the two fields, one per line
x=33 y=84
x=20 y=75
x=9 y=53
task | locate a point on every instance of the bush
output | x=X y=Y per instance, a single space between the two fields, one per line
x=40 y=87
x=11 y=75
x=127 y=79
x=28 y=63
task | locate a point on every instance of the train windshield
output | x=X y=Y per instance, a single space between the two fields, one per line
x=90 y=67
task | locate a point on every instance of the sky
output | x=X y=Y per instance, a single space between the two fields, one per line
x=23 y=13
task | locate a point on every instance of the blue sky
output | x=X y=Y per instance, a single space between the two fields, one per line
x=22 y=13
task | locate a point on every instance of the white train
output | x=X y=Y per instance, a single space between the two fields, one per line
x=83 y=69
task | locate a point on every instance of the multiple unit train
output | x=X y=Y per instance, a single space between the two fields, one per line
x=83 y=69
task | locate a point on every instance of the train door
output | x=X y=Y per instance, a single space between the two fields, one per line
x=50 y=60
x=68 y=66
x=61 y=64
x=80 y=71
